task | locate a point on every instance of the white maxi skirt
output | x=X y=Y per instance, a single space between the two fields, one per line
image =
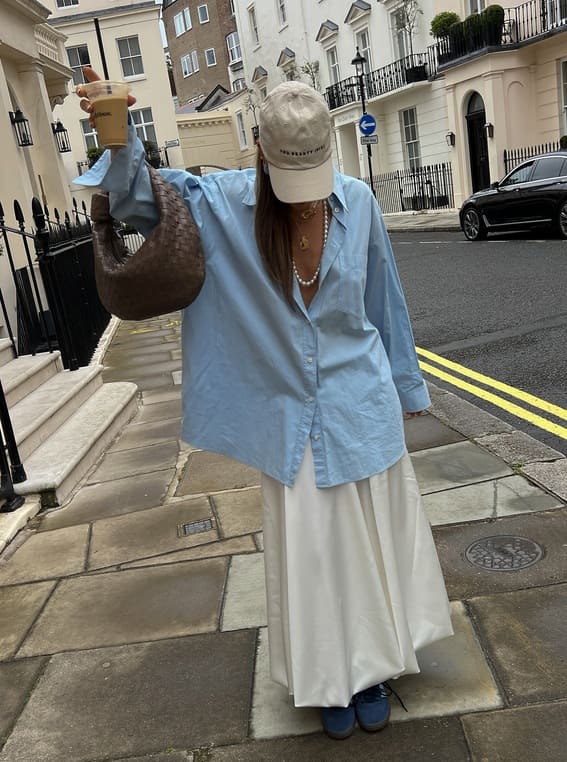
x=354 y=586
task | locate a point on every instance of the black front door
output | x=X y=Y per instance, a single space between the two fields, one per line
x=478 y=150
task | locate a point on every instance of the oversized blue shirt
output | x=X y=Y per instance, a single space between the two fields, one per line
x=260 y=378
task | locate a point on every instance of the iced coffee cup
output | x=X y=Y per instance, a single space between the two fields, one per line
x=110 y=112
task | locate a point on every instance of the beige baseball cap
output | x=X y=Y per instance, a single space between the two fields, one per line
x=295 y=138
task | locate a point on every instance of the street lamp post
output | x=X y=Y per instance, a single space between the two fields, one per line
x=358 y=62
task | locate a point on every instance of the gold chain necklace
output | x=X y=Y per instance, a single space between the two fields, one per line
x=304 y=243
x=312 y=280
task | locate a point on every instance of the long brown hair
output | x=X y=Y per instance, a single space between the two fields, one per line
x=272 y=231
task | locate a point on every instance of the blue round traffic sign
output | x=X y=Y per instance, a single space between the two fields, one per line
x=367 y=124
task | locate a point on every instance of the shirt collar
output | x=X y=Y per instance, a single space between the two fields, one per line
x=337 y=196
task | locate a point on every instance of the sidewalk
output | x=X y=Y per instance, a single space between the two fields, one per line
x=434 y=221
x=133 y=621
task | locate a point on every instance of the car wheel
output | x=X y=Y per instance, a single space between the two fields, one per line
x=472 y=224
x=562 y=219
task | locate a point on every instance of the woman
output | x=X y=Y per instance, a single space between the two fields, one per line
x=298 y=358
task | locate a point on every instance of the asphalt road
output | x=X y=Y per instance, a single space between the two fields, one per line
x=498 y=307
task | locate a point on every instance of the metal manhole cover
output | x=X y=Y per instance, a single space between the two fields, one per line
x=504 y=552
x=194 y=527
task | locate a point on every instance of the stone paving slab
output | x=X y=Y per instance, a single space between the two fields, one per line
x=454 y=678
x=159 y=411
x=439 y=740
x=525 y=635
x=552 y=476
x=43 y=556
x=147 y=434
x=156 y=360
x=208 y=472
x=17 y=679
x=141 y=460
x=125 y=352
x=111 y=498
x=487 y=500
x=136 y=700
x=153 y=396
x=245 y=596
x=233 y=546
x=517 y=447
x=143 y=382
x=455 y=465
x=238 y=512
x=129 y=607
x=464 y=580
x=530 y=733
x=148 y=533
x=426 y=431
x=20 y=606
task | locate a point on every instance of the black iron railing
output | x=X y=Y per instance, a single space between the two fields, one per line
x=52 y=267
x=404 y=190
x=515 y=156
x=519 y=25
x=415 y=68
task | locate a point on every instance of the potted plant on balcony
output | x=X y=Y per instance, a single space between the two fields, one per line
x=407 y=19
x=441 y=29
x=94 y=154
x=493 y=18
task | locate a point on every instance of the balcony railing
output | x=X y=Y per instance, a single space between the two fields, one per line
x=415 y=68
x=522 y=24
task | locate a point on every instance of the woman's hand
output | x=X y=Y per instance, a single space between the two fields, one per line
x=86 y=105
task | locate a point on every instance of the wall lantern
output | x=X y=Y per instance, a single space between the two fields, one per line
x=450 y=138
x=61 y=136
x=255 y=133
x=21 y=128
x=489 y=129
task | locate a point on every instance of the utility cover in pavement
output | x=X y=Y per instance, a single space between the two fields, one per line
x=504 y=553
x=194 y=527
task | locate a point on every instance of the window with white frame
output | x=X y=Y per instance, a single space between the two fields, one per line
x=233 y=46
x=66 y=3
x=363 y=44
x=401 y=37
x=89 y=134
x=241 y=131
x=203 y=13
x=232 y=11
x=282 y=15
x=410 y=138
x=195 y=60
x=210 y=57
x=253 y=25
x=130 y=56
x=144 y=123
x=476 y=6
x=182 y=21
x=238 y=84
x=78 y=57
x=564 y=90
x=190 y=63
x=333 y=64
x=263 y=92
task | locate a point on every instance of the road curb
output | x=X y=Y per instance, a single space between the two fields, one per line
x=540 y=464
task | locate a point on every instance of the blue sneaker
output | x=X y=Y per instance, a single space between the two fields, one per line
x=338 y=721
x=373 y=707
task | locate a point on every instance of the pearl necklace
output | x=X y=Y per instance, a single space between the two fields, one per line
x=312 y=280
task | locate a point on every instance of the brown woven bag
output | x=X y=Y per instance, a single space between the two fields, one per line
x=165 y=274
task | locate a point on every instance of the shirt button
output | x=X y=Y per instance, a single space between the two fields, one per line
x=337 y=209
x=309 y=359
x=315 y=437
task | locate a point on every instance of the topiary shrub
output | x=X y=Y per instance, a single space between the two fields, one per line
x=94 y=154
x=493 y=18
x=442 y=21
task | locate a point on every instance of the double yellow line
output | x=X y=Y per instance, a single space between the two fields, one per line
x=478 y=391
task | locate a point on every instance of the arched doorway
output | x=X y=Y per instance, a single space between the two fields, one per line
x=478 y=145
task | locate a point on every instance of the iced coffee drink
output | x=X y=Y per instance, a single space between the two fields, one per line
x=110 y=111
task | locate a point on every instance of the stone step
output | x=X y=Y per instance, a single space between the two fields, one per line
x=56 y=467
x=25 y=373
x=6 y=351
x=40 y=413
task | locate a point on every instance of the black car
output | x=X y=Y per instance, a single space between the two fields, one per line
x=533 y=194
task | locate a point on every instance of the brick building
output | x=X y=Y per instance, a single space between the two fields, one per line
x=203 y=45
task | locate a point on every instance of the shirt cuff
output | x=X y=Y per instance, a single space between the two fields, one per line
x=415 y=400
x=116 y=173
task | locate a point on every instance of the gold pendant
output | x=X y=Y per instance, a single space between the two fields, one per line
x=304 y=243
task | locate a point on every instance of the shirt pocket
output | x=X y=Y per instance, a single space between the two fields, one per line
x=352 y=284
